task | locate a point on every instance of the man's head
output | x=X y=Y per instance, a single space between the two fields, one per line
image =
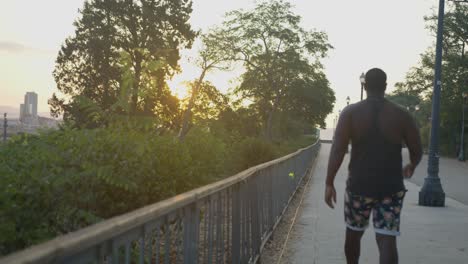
x=376 y=81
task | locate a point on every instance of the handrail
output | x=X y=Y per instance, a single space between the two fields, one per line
x=235 y=198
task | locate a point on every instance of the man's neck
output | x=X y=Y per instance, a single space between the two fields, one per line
x=376 y=96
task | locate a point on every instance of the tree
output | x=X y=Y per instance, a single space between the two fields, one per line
x=405 y=99
x=204 y=104
x=134 y=43
x=276 y=52
x=419 y=80
x=210 y=57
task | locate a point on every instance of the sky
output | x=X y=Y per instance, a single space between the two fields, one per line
x=364 y=33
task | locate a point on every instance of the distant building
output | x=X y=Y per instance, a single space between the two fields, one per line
x=28 y=109
x=21 y=111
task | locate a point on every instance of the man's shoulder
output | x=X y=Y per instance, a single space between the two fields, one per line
x=398 y=109
x=354 y=107
x=400 y=113
x=362 y=105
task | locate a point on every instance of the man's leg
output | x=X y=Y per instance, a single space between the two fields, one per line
x=387 y=226
x=387 y=248
x=353 y=246
x=357 y=211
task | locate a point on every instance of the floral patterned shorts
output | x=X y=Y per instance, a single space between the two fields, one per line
x=385 y=212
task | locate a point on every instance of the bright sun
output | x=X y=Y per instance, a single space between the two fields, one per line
x=178 y=88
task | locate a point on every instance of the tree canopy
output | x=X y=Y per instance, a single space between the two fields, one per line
x=282 y=62
x=418 y=83
x=122 y=51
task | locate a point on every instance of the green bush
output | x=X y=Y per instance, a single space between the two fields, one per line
x=59 y=181
x=252 y=151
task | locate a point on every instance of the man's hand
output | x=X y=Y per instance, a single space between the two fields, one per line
x=330 y=196
x=408 y=171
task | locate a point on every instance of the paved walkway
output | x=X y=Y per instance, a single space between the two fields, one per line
x=429 y=235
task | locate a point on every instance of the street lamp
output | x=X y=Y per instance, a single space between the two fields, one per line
x=362 y=78
x=461 y=153
x=347 y=100
x=335 y=123
x=432 y=193
x=5 y=125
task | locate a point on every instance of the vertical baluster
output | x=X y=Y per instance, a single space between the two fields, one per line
x=157 y=242
x=228 y=223
x=178 y=237
x=149 y=253
x=187 y=238
x=115 y=253
x=269 y=199
x=235 y=228
x=255 y=217
x=210 y=230
x=167 y=243
x=219 y=227
x=276 y=196
x=142 y=246
x=127 y=252
x=205 y=232
x=249 y=219
x=244 y=222
x=190 y=240
x=196 y=233
x=261 y=201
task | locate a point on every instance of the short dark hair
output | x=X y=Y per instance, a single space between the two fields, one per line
x=376 y=80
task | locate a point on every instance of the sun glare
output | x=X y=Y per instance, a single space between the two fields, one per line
x=178 y=88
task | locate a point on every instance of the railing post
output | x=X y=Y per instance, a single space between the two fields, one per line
x=272 y=177
x=235 y=254
x=190 y=234
x=255 y=216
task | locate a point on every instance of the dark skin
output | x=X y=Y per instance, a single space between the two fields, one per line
x=397 y=126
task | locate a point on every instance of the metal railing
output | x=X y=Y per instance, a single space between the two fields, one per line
x=225 y=222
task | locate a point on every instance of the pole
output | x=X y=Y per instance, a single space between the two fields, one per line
x=5 y=125
x=334 y=127
x=362 y=90
x=432 y=193
x=461 y=156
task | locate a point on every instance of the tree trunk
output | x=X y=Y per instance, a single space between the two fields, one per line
x=269 y=124
x=188 y=112
x=136 y=83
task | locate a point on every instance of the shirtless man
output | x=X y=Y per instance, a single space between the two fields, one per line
x=376 y=129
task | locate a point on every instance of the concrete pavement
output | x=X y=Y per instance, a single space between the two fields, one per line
x=429 y=235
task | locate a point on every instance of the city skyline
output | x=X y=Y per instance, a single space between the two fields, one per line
x=29 y=107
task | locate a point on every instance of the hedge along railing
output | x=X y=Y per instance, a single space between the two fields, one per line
x=225 y=222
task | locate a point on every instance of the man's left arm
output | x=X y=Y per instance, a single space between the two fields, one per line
x=337 y=153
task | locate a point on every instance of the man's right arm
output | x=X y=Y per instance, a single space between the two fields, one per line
x=412 y=139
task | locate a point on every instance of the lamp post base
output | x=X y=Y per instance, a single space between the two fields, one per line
x=431 y=193
x=461 y=157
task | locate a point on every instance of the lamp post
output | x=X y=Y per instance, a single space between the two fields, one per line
x=335 y=123
x=334 y=127
x=432 y=193
x=347 y=100
x=362 y=79
x=461 y=153
x=5 y=125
